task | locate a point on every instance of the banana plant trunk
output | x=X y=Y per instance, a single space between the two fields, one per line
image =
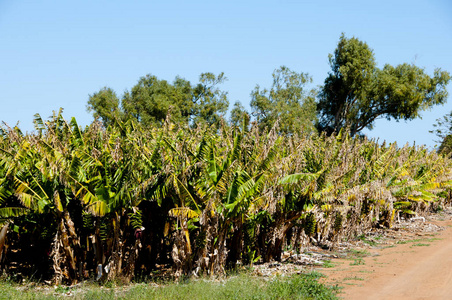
x=66 y=251
x=114 y=265
x=235 y=245
x=3 y=234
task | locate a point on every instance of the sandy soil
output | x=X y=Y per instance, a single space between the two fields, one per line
x=418 y=268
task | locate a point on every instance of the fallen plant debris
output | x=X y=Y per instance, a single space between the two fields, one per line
x=407 y=230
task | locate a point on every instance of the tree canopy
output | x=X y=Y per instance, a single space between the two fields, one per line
x=239 y=115
x=443 y=130
x=357 y=92
x=288 y=101
x=152 y=99
x=105 y=105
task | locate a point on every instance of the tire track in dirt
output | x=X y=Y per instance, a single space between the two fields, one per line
x=413 y=270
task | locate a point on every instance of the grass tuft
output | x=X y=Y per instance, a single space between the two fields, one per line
x=357 y=262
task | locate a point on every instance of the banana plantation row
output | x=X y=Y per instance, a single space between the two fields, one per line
x=117 y=202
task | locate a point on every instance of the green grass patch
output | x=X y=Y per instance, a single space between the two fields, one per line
x=365 y=271
x=328 y=264
x=433 y=239
x=369 y=242
x=432 y=234
x=420 y=245
x=297 y=286
x=354 y=278
x=418 y=240
x=357 y=262
x=358 y=253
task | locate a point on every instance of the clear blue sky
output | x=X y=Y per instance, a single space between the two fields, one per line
x=55 y=53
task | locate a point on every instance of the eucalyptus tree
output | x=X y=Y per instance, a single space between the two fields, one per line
x=288 y=100
x=443 y=130
x=239 y=115
x=104 y=105
x=152 y=99
x=356 y=92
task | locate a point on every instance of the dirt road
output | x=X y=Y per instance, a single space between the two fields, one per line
x=421 y=268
